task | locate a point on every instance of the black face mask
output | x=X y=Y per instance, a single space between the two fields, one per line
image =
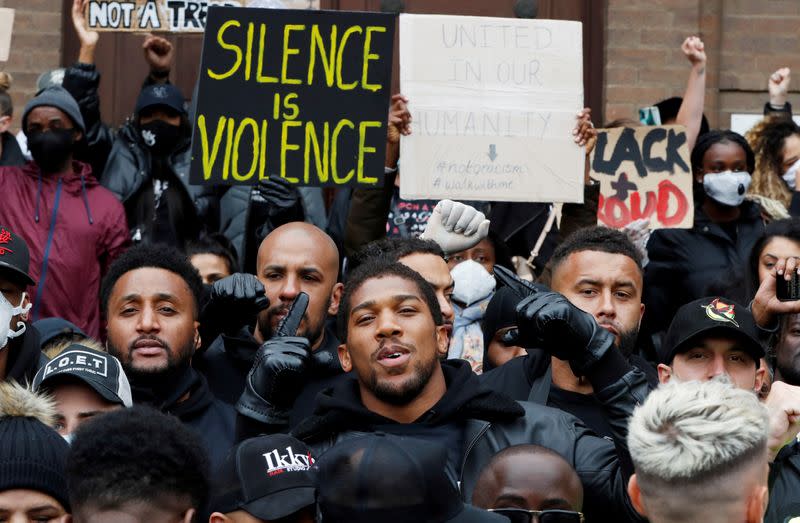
x=160 y=137
x=51 y=149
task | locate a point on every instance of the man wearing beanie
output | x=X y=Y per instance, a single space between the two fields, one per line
x=74 y=228
x=33 y=457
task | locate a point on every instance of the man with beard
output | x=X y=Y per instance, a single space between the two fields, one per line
x=295 y=258
x=150 y=297
x=599 y=271
x=73 y=227
x=393 y=331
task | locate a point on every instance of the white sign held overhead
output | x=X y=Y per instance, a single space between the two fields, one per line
x=493 y=103
x=6 y=27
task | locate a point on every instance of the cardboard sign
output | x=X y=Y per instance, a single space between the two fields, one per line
x=493 y=103
x=644 y=172
x=6 y=28
x=179 y=16
x=298 y=94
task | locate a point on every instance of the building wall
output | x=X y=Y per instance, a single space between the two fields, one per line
x=35 y=46
x=746 y=40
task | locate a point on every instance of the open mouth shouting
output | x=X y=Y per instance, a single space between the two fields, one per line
x=393 y=355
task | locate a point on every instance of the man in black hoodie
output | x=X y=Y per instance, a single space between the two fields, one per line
x=20 y=356
x=393 y=327
x=599 y=271
x=150 y=298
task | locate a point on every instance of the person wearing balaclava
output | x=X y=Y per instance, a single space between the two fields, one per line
x=686 y=264
x=73 y=227
x=148 y=170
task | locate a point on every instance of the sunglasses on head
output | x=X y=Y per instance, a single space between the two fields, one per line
x=521 y=515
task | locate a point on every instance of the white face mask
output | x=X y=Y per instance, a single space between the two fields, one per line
x=8 y=311
x=67 y=438
x=473 y=282
x=727 y=188
x=790 y=176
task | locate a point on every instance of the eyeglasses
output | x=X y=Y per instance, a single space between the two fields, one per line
x=521 y=515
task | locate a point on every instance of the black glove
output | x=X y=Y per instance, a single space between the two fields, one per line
x=279 y=370
x=547 y=320
x=234 y=302
x=279 y=194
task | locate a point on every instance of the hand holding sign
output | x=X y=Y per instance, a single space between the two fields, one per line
x=547 y=320
x=278 y=372
x=87 y=38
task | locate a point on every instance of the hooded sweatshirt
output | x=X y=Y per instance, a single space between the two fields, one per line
x=74 y=229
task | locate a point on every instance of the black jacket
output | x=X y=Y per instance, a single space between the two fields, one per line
x=25 y=356
x=212 y=420
x=228 y=359
x=83 y=81
x=529 y=379
x=784 y=485
x=489 y=422
x=688 y=264
x=129 y=167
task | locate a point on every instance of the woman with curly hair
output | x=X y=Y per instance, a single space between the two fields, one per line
x=775 y=140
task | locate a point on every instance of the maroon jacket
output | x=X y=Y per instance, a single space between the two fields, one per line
x=74 y=229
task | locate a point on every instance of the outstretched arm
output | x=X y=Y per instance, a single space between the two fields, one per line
x=690 y=114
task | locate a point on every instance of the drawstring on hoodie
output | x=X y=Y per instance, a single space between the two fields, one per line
x=86 y=200
x=38 y=197
x=50 y=233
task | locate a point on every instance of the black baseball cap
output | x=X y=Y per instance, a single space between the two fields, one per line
x=269 y=477
x=15 y=258
x=707 y=316
x=160 y=94
x=391 y=479
x=99 y=370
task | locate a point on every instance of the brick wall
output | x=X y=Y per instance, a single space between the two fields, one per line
x=35 y=46
x=746 y=40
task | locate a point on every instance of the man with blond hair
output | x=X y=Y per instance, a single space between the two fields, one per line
x=699 y=450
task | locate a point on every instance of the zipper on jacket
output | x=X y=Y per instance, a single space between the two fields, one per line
x=471 y=446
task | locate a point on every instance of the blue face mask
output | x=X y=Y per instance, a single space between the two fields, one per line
x=727 y=188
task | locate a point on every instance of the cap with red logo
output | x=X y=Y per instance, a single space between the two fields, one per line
x=705 y=317
x=14 y=257
x=269 y=477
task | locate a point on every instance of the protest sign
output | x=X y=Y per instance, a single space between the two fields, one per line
x=6 y=27
x=299 y=94
x=644 y=172
x=493 y=103
x=179 y=16
x=151 y=15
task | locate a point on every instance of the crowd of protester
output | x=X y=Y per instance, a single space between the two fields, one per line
x=175 y=352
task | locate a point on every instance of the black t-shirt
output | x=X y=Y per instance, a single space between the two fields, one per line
x=585 y=407
x=408 y=218
x=449 y=435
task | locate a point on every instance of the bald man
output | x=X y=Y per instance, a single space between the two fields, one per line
x=526 y=478
x=295 y=257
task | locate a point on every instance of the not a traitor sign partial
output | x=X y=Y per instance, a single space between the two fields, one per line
x=298 y=94
x=644 y=172
x=493 y=102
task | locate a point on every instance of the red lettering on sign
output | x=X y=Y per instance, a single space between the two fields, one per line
x=615 y=213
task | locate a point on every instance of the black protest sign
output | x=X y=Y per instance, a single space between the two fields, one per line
x=299 y=94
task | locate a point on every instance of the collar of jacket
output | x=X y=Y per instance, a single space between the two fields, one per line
x=73 y=181
x=750 y=212
x=183 y=392
x=340 y=409
x=24 y=355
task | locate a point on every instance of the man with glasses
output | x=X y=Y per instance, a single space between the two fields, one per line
x=530 y=483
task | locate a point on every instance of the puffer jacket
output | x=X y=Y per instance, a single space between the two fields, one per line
x=128 y=169
x=490 y=423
